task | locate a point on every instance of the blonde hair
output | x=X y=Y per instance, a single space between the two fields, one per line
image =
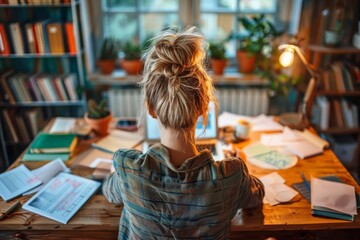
x=175 y=84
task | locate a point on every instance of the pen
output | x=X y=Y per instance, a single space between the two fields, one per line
x=305 y=181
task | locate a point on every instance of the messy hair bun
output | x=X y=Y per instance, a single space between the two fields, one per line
x=175 y=83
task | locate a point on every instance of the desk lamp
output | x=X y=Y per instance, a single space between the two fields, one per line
x=298 y=120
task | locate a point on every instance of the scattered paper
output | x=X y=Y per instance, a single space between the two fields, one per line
x=101 y=163
x=314 y=139
x=230 y=119
x=341 y=198
x=275 y=190
x=304 y=149
x=17 y=181
x=62 y=197
x=63 y=125
x=47 y=172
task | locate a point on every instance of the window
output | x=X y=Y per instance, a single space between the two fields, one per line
x=139 y=19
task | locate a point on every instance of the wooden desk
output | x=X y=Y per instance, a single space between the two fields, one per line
x=98 y=219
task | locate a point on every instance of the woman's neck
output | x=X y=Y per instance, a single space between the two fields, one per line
x=181 y=144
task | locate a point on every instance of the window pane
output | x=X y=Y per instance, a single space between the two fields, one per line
x=218 y=5
x=153 y=23
x=121 y=3
x=170 y=5
x=217 y=27
x=121 y=26
x=257 y=5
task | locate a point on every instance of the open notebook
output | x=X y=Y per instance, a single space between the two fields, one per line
x=204 y=139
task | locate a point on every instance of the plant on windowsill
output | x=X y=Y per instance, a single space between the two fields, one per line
x=131 y=62
x=255 y=44
x=98 y=117
x=108 y=55
x=217 y=53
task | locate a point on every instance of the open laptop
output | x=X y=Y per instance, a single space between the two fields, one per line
x=204 y=139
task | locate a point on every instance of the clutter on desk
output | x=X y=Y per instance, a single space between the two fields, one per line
x=48 y=146
x=17 y=181
x=269 y=158
x=70 y=125
x=46 y=172
x=276 y=191
x=62 y=197
x=339 y=203
x=117 y=139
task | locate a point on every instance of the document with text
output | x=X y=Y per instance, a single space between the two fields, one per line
x=62 y=197
x=17 y=181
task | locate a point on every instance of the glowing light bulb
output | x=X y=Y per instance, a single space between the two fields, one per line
x=287 y=57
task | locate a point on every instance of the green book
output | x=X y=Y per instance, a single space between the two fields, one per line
x=53 y=143
x=28 y=156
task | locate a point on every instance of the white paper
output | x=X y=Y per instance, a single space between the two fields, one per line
x=47 y=172
x=265 y=123
x=303 y=149
x=62 y=197
x=17 y=181
x=101 y=163
x=63 y=125
x=230 y=119
x=275 y=190
x=333 y=195
x=313 y=138
x=272 y=140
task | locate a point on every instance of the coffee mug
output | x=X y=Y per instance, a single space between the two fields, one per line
x=242 y=130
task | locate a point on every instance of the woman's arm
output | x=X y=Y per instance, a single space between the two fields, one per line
x=111 y=188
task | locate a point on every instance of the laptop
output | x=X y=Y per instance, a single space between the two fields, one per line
x=207 y=138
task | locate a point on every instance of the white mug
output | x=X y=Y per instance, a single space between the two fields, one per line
x=242 y=130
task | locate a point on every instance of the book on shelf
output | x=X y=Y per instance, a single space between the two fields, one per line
x=69 y=28
x=53 y=143
x=55 y=36
x=10 y=132
x=17 y=39
x=4 y=41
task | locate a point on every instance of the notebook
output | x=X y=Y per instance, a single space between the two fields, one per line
x=204 y=139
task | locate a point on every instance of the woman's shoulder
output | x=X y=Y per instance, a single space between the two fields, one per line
x=126 y=154
x=231 y=165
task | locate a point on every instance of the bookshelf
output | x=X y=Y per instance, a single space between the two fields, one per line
x=338 y=100
x=43 y=47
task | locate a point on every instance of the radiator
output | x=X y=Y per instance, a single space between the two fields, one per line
x=244 y=101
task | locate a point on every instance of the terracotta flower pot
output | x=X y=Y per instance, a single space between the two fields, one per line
x=218 y=66
x=246 y=61
x=106 y=66
x=132 y=67
x=99 y=126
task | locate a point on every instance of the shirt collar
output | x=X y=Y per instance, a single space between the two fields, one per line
x=161 y=153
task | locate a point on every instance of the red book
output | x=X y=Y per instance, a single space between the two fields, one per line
x=36 y=41
x=4 y=43
x=69 y=27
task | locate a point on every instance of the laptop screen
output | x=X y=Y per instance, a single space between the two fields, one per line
x=153 y=131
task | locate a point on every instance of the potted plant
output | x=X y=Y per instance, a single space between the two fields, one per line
x=218 y=58
x=255 y=42
x=108 y=55
x=98 y=117
x=131 y=62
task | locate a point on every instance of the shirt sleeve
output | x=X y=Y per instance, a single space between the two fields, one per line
x=111 y=188
x=251 y=189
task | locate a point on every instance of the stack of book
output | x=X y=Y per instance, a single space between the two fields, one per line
x=48 y=146
x=37 y=38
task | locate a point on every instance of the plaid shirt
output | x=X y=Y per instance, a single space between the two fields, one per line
x=195 y=200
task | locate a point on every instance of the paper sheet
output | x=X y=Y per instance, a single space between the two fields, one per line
x=275 y=190
x=341 y=198
x=62 y=197
x=230 y=119
x=47 y=172
x=17 y=181
x=63 y=125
